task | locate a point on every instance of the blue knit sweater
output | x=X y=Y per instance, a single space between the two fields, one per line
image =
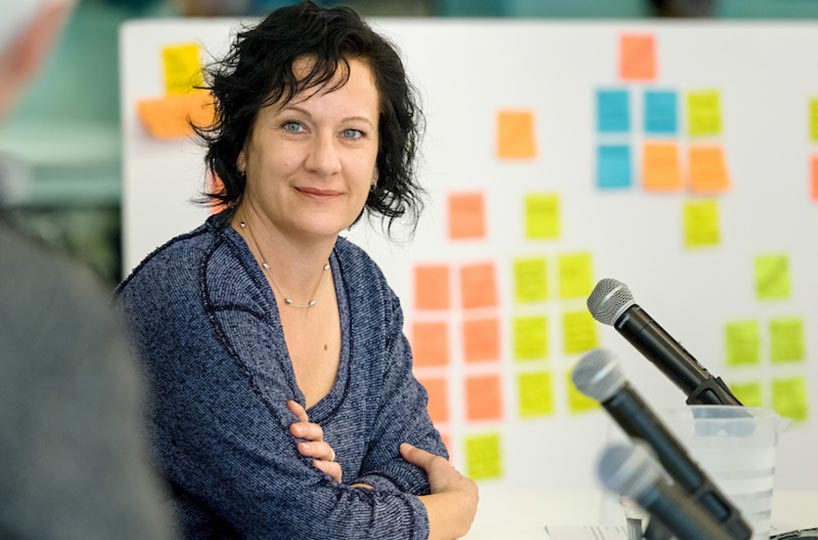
x=206 y=326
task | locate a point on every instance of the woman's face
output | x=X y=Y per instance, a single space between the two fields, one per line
x=310 y=163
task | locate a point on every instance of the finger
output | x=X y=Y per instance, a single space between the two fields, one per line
x=318 y=450
x=307 y=430
x=331 y=468
x=416 y=456
x=298 y=411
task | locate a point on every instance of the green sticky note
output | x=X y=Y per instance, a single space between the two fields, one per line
x=579 y=332
x=483 y=457
x=542 y=216
x=577 y=401
x=790 y=398
x=813 y=119
x=530 y=338
x=701 y=224
x=748 y=393
x=535 y=394
x=530 y=280
x=772 y=277
x=704 y=113
x=742 y=343
x=787 y=340
x=576 y=279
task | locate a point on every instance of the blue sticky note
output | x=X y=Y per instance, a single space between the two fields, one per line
x=613 y=111
x=660 y=112
x=613 y=166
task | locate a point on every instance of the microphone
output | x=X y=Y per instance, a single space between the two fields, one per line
x=598 y=376
x=611 y=303
x=631 y=471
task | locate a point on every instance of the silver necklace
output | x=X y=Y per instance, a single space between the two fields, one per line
x=287 y=299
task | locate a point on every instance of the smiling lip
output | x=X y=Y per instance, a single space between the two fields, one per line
x=316 y=193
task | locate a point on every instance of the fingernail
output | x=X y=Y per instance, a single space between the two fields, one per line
x=405 y=446
x=305 y=445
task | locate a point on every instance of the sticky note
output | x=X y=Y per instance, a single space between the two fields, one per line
x=467 y=216
x=530 y=280
x=613 y=166
x=748 y=393
x=430 y=344
x=772 y=274
x=535 y=394
x=814 y=177
x=703 y=113
x=637 y=57
x=661 y=112
x=613 y=111
x=530 y=338
x=170 y=117
x=576 y=275
x=432 y=287
x=790 y=398
x=515 y=135
x=182 y=67
x=660 y=167
x=438 y=406
x=577 y=401
x=542 y=216
x=708 y=169
x=813 y=119
x=483 y=398
x=483 y=457
x=742 y=343
x=579 y=332
x=481 y=338
x=701 y=224
x=478 y=286
x=214 y=185
x=787 y=340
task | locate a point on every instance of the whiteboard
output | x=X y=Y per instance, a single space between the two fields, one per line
x=466 y=72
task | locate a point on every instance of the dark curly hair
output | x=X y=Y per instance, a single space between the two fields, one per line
x=257 y=72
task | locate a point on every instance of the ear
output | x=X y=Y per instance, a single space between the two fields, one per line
x=241 y=162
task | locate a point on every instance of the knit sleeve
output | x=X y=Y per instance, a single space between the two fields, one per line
x=402 y=417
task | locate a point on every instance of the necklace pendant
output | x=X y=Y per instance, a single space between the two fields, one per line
x=312 y=303
x=265 y=265
x=288 y=301
x=326 y=267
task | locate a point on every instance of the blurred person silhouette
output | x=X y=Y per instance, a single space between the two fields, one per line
x=72 y=461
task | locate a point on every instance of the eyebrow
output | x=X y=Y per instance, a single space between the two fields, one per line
x=306 y=113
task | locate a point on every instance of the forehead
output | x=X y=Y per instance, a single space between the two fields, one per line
x=359 y=86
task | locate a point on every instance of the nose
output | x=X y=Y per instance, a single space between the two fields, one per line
x=324 y=158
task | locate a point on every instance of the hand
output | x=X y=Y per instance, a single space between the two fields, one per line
x=453 y=502
x=314 y=446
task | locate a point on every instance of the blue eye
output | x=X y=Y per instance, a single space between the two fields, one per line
x=292 y=127
x=353 y=133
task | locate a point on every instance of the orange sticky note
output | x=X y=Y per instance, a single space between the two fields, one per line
x=483 y=401
x=515 y=135
x=438 y=406
x=660 y=167
x=708 y=170
x=814 y=170
x=169 y=117
x=637 y=57
x=430 y=343
x=479 y=286
x=431 y=287
x=466 y=216
x=215 y=185
x=481 y=340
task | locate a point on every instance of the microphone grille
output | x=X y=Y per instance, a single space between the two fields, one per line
x=629 y=470
x=598 y=375
x=608 y=300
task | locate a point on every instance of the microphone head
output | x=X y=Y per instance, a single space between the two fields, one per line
x=609 y=300
x=598 y=375
x=629 y=470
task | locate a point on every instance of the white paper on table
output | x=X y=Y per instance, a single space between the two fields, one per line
x=587 y=532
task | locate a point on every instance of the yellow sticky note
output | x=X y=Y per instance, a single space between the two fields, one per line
x=530 y=280
x=579 y=332
x=182 y=67
x=704 y=113
x=787 y=340
x=484 y=457
x=748 y=393
x=790 y=398
x=661 y=170
x=742 y=344
x=708 y=170
x=577 y=401
x=813 y=119
x=576 y=275
x=530 y=338
x=542 y=216
x=701 y=224
x=772 y=272
x=515 y=135
x=535 y=394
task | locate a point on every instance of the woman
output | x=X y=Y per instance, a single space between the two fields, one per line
x=284 y=402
